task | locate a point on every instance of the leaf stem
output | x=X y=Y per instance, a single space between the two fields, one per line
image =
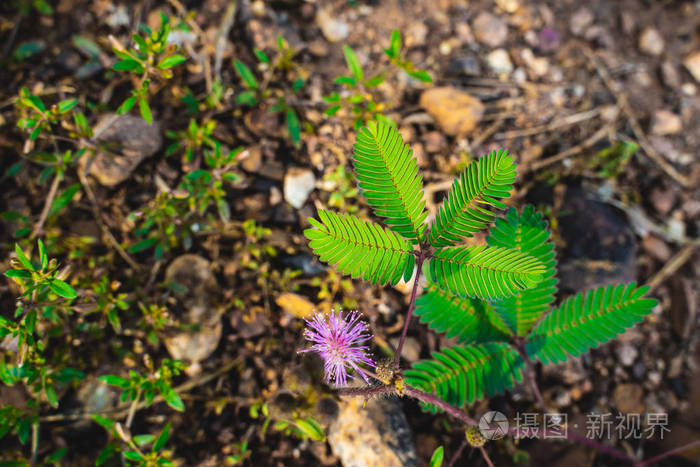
x=457 y=454
x=530 y=374
x=669 y=453
x=397 y=356
x=485 y=456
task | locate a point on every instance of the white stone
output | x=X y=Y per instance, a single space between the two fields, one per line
x=298 y=184
x=499 y=61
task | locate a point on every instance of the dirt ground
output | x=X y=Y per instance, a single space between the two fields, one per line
x=597 y=101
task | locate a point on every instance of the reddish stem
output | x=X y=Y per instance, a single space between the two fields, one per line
x=458 y=453
x=669 y=453
x=485 y=456
x=409 y=314
x=450 y=410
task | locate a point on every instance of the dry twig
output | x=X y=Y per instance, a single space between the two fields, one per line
x=686 y=181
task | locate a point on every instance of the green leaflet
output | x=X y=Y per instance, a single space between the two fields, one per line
x=388 y=177
x=470 y=321
x=470 y=203
x=527 y=233
x=464 y=374
x=584 y=322
x=361 y=248
x=484 y=271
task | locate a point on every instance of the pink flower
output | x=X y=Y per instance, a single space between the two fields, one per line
x=337 y=339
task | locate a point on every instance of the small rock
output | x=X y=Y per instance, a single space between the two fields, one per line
x=580 y=21
x=275 y=196
x=520 y=76
x=651 y=42
x=601 y=245
x=129 y=140
x=416 y=33
x=666 y=122
x=490 y=29
x=318 y=47
x=538 y=65
x=295 y=304
x=118 y=17
x=499 y=61
x=375 y=435
x=309 y=265
x=654 y=378
x=663 y=200
x=627 y=398
x=509 y=6
x=464 y=33
x=333 y=29
x=298 y=184
x=626 y=353
x=250 y=322
x=196 y=290
x=689 y=89
x=669 y=151
x=251 y=159
x=445 y=48
x=434 y=141
x=657 y=248
x=669 y=74
x=692 y=63
x=455 y=111
x=411 y=348
x=97 y=396
x=548 y=39
x=464 y=66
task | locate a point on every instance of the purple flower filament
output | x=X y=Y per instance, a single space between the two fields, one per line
x=338 y=340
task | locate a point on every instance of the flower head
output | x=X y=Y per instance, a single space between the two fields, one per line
x=338 y=340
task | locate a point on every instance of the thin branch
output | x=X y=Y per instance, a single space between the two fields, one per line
x=458 y=453
x=666 y=454
x=485 y=456
x=132 y=409
x=47 y=204
x=450 y=410
x=674 y=264
x=530 y=373
x=411 y=306
x=123 y=409
x=653 y=154
x=98 y=218
x=558 y=123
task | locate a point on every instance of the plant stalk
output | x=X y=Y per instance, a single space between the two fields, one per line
x=409 y=314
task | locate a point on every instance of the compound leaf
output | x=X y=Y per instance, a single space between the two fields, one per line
x=527 y=233
x=583 y=322
x=468 y=320
x=463 y=374
x=470 y=203
x=361 y=248
x=484 y=271
x=388 y=177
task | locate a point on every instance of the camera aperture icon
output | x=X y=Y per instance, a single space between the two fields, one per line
x=493 y=425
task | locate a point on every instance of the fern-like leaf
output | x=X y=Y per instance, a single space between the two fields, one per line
x=469 y=320
x=527 y=233
x=463 y=374
x=361 y=248
x=584 y=322
x=470 y=203
x=484 y=271
x=388 y=177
